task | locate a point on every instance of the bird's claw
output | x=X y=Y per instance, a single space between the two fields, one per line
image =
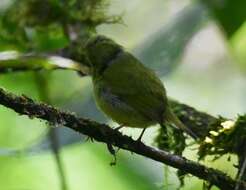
x=113 y=152
x=118 y=128
x=89 y=138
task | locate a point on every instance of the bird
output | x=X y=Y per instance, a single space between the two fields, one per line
x=127 y=91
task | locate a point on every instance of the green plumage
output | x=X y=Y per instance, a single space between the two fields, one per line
x=125 y=90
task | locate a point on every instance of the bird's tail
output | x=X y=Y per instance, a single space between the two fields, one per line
x=172 y=118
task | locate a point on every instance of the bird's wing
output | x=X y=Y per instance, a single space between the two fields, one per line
x=137 y=86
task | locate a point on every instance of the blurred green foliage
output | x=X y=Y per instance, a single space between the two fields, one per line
x=43 y=25
x=231 y=16
x=83 y=169
x=163 y=49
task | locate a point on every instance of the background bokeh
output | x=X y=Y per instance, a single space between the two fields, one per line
x=198 y=52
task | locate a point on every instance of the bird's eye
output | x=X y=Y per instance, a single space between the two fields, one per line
x=100 y=39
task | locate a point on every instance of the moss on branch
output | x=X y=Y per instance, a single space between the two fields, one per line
x=103 y=133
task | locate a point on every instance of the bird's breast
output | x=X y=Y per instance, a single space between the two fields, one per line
x=117 y=109
x=109 y=102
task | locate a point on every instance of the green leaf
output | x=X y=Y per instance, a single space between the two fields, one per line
x=231 y=14
x=238 y=43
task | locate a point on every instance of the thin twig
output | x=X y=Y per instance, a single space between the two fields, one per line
x=241 y=173
x=52 y=134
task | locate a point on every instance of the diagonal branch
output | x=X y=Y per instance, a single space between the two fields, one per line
x=12 y=61
x=103 y=133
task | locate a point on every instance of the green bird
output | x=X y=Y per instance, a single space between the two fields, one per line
x=127 y=91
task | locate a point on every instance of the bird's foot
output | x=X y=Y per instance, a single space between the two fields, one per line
x=141 y=135
x=112 y=152
x=119 y=127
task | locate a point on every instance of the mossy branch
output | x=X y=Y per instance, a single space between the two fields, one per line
x=220 y=135
x=103 y=133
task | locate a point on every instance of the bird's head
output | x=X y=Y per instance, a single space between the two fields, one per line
x=101 y=51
